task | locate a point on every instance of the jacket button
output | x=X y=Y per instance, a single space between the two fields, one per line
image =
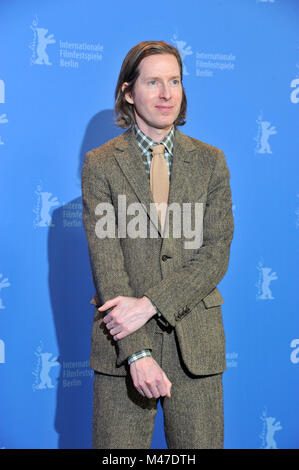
x=165 y=257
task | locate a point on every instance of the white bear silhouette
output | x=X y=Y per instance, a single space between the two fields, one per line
x=45 y=380
x=43 y=41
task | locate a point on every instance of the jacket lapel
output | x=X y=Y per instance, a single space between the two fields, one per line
x=129 y=159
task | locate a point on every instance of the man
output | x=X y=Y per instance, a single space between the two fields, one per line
x=157 y=331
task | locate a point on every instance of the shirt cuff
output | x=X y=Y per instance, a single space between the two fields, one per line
x=139 y=355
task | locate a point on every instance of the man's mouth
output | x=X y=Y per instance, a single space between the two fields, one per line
x=164 y=108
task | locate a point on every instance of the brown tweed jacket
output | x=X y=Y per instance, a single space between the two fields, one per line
x=182 y=282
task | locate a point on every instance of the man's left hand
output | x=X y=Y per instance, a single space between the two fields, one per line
x=129 y=315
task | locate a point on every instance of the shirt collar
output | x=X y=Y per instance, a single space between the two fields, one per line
x=146 y=142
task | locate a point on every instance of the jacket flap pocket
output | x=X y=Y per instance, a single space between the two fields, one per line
x=213 y=299
x=95 y=300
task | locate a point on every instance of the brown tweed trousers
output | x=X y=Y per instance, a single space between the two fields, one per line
x=193 y=416
x=182 y=282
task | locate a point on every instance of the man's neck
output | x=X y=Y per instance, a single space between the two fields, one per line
x=155 y=134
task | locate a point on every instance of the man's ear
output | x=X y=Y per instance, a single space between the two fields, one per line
x=128 y=96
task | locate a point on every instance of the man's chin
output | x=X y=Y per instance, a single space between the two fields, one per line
x=163 y=124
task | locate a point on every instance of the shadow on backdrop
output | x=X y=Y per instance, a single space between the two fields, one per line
x=71 y=288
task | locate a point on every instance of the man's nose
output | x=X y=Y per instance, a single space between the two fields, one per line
x=165 y=91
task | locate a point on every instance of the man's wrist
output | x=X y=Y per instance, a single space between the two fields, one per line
x=155 y=307
x=139 y=355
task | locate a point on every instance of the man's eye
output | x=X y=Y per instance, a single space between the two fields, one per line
x=152 y=82
x=175 y=81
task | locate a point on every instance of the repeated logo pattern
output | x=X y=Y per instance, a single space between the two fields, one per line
x=257 y=135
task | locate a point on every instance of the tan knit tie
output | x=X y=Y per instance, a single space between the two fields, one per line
x=159 y=181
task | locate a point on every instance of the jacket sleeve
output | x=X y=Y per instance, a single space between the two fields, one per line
x=106 y=256
x=179 y=292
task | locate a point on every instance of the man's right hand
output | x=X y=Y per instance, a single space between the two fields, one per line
x=149 y=379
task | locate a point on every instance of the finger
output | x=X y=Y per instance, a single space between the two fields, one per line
x=167 y=386
x=152 y=387
x=169 y=389
x=110 y=323
x=107 y=319
x=162 y=389
x=155 y=391
x=134 y=377
x=103 y=307
x=140 y=391
x=109 y=303
x=146 y=390
x=135 y=380
x=107 y=322
x=157 y=386
x=115 y=330
x=122 y=334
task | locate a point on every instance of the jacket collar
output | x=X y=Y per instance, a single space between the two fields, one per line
x=128 y=156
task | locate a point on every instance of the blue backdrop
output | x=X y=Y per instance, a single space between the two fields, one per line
x=59 y=64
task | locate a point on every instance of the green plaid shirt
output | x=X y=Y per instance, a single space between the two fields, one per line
x=144 y=142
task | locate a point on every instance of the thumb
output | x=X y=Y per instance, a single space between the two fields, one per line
x=109 y=303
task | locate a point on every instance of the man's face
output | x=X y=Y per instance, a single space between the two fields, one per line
x=157 y=93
